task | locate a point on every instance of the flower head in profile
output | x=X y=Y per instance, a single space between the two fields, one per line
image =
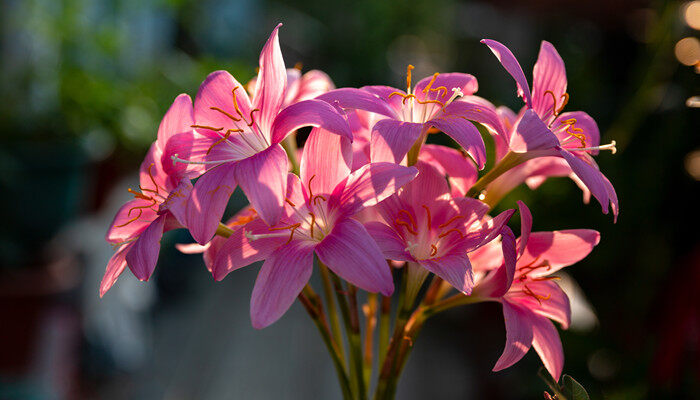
x=543 y=129
x=159 y=204
x=407 y=116
x=423 y=224
x=319 y=206
x=237 y=138
x=521 y=279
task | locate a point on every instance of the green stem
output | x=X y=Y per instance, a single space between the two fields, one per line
x=332 y=311
x=312 y=303
x=509 y=161
x=290 y=146
x=370 y=326
x=384 y=327
x=415 y=149
x=354 y=341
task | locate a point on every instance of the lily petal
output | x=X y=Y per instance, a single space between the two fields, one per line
x=115 y=267
x=216 y=92
x=358 y=99
x=369 y=185
x=350 y=252
x=392 y=139
x=326 y=161
x=208 y=201
x=518 y=335
x=559 y=248
x=263 y=179
x=143 y=256
x=178 y=119
x=131 y=219
x=461 y=171
x=239 y=250
x=389 y=242
x=549 y=74
x=499 y=281
x=177 y=201
x=279 y=282
x=532 y=134
x=546 y=341
x=466 y=83
x=455 y=269
x=525 y=226
x=507 y=59
x=271 y=82
x=315 y=113
x=595 y=181
x=480 y=110
x=464 y=133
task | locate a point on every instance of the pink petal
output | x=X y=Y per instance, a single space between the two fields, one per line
x=392 y=139
x=208 y=201
x=313 y=84
x=191 y=248
x=595 y=181
x=291 y=92
x=115 y=267
x=525 y=226
x=177 y=201
x=263 y=179
x=518 y=335
x=545 y=340
x=271 y=82
x=126 y=226
x=350 y=252
x=358 y=99
x=559 y=248
x=461 y=171
x=309 y=113
x=178 y=119
x=549 y=74
x=465 y=82
x=280 y=280
x=587 y=125
x=480 y=110
x=507 y=59
x=487 y=257
x=215 y=91
x=389 y=242
x=455 y=269
x=326 y=161
x=143 y=256
x=497 y=283
x=428 y=186
x=488 y=232
x=239 y=250
x=369 y=185
x=464 y=133
x=556 y=306
x=532 y=134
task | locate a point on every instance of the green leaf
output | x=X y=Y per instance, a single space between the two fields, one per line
x=572 y=389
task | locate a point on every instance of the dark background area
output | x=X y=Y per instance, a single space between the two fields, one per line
x=85 y=83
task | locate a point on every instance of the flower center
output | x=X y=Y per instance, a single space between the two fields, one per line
x=153 y=196
x=422 y=110
x=425 y=243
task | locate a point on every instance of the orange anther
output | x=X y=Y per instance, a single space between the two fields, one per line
x=225 y=113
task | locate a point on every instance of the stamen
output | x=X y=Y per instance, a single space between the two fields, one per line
x=442 y=235
x=451 y=220
x=410 y=217
x=565 y=96
x=290 y=202
x=313 y=221
x=308 y=185
x=225 y=113
x=537 y=297
x=150 y=174
x=427 y=211
x=408 y=78
x=573 y=131
x=298 y=66
x=610 y=146
x=131 y=220
x=404 y=96
x=554 y=99
x=316 y=198
x=430 y=84
x=433 y=250
x=406 y=225
x=177 y=159
x=223 y=138
x=139 y=195
x=252 y=119
x=206 y=127
x=456 y=92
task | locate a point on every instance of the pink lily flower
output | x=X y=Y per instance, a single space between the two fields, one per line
x=158 y=206
x=408 y=116
x=423 y=224
x=300 y=87
x=543 y=130
x=527 y=289
x=238 y=138
x=318 y=219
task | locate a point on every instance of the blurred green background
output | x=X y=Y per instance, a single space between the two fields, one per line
x=85 y=83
